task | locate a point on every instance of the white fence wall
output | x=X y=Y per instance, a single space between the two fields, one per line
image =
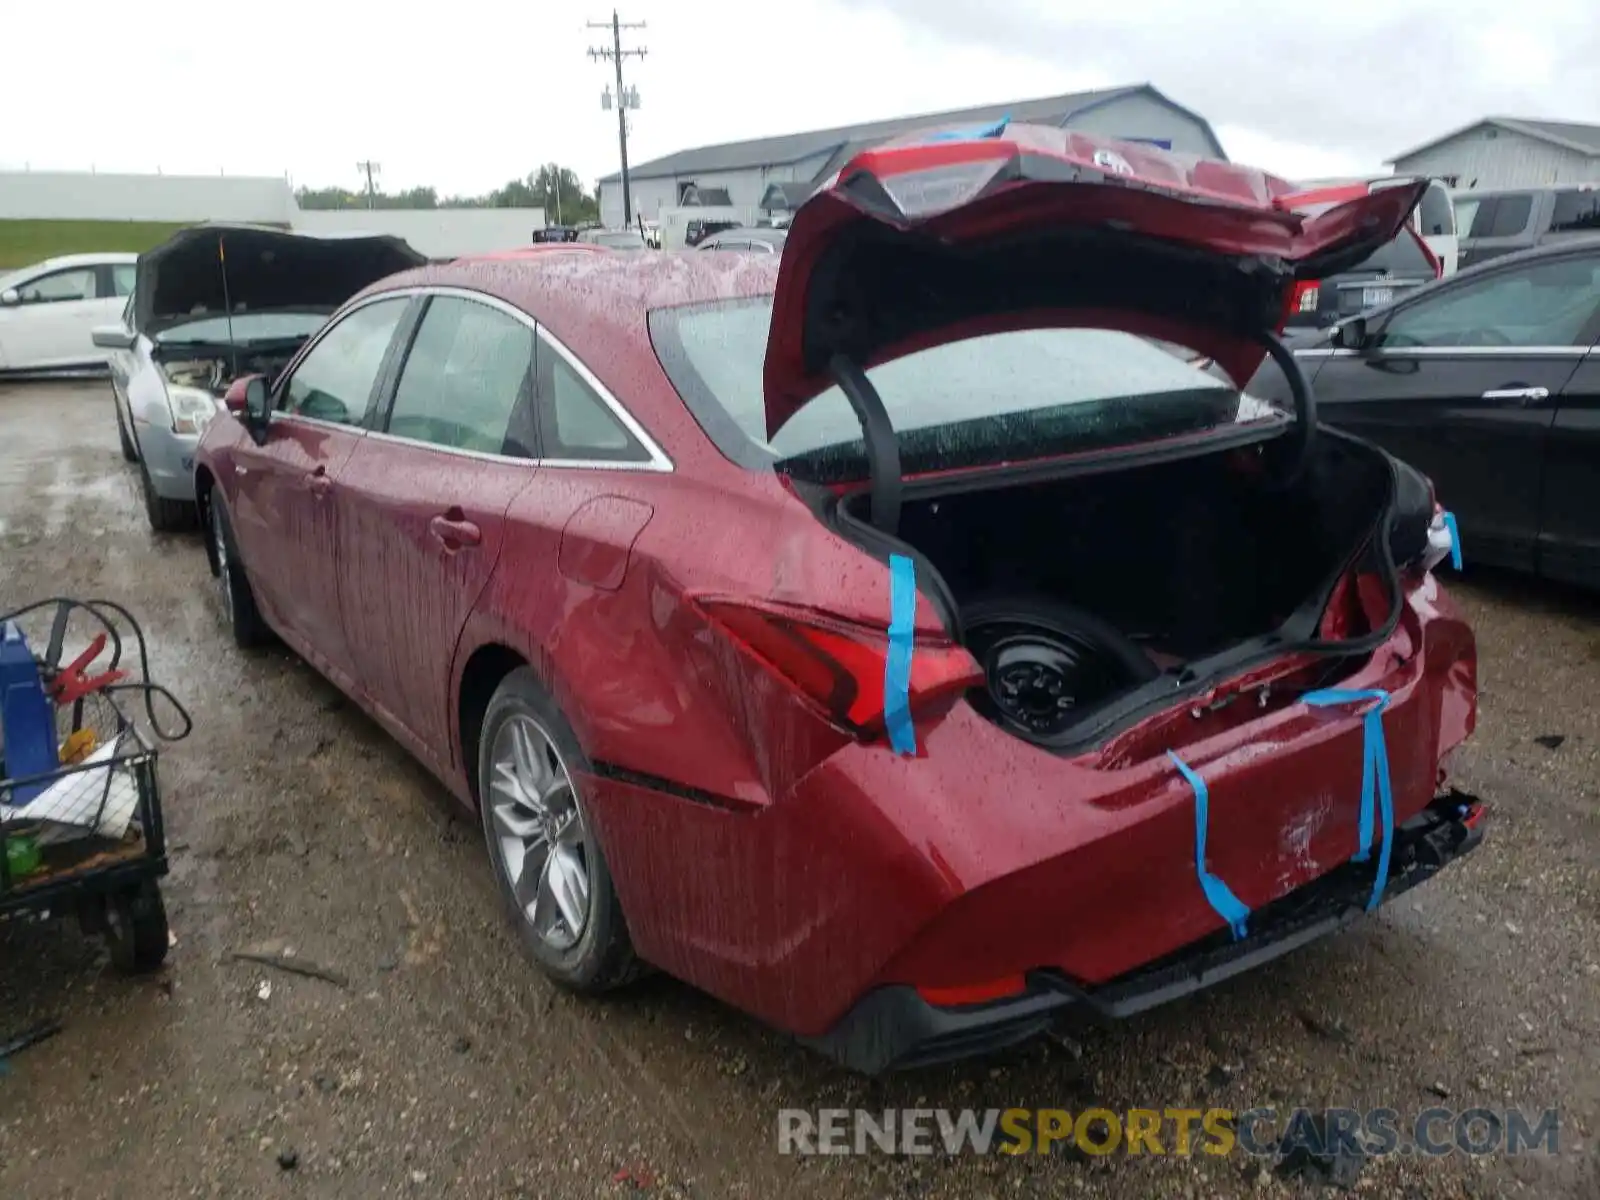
x=436 y=232
x=91 y=196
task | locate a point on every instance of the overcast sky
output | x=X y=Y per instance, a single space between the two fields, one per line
x=467 y=94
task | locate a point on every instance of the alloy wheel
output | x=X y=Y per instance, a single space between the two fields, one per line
x=539 y=832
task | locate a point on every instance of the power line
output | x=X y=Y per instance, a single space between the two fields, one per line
x=369 y=169
x=625 y=99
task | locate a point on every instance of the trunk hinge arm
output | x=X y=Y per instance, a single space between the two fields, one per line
x=883 y=449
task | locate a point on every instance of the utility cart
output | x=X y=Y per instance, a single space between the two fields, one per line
x=80 y=803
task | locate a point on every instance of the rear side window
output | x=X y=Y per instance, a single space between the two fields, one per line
x=1021 y=394
x=469 y=373
x=577 y=424
x=1576 y=211
x=1502 y=216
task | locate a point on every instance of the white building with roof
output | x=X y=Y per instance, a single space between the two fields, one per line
x=1500 y=152
x=780 y=171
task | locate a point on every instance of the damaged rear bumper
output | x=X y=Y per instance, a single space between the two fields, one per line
x=894 y=1027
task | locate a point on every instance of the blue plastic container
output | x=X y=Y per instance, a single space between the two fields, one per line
x=27 y=720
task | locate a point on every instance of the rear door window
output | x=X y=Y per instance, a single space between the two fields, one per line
x=1576 y=211
x=467 y=383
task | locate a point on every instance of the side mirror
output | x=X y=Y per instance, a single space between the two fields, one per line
x=10 y=296
x=257 y=402
x=248 y=399
x=111 y=337
x=1351 y=334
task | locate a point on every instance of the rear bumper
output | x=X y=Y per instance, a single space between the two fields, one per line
x=894 y=1028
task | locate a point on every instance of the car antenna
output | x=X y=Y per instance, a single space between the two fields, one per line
x=227 y=306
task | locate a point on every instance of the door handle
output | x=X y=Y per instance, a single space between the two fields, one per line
x=454 y=532
x=319 y=483
x=1518 y=395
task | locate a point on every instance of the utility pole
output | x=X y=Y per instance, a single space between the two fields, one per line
x=369 y=169
x=555 y=182
x=625 y=99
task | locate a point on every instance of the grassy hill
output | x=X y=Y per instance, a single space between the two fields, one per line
x=26 y=242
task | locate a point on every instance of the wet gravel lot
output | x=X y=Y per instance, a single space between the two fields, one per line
x=446 y=1066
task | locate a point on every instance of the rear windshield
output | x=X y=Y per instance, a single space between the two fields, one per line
x=984 y=400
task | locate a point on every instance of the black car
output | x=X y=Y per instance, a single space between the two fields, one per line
x=1489 y=383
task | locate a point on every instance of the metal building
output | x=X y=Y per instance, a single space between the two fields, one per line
x=771 y=171
x=1499 y=152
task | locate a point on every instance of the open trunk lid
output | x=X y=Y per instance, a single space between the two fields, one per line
x=945 y=236
x=210 y=270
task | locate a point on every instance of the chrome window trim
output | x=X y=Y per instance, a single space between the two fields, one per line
x=311 y=343
x=658 y=460
x=1556 y=352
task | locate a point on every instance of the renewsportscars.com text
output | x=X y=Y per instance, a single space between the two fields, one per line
x=1259 y=1132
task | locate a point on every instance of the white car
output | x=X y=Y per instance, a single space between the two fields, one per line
x=211 y=303
x=48 y=310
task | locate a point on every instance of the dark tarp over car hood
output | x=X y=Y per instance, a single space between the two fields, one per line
x=267 y=269
x=944 y=236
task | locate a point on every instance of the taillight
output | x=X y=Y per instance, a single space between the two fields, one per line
x=1305 y=297
x=839 y=666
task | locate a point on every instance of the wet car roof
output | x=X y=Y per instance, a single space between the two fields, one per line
x=576 y=289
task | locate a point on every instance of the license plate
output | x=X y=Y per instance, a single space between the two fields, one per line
x=1373 y=296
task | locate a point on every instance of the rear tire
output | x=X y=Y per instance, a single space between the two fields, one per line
x=239 y=609
x=130 y=452
x=523 y=728
x=166 y=516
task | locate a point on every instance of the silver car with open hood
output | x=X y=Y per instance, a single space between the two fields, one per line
x=213 y=302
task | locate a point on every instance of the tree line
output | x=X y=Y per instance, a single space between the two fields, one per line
x=555 y=189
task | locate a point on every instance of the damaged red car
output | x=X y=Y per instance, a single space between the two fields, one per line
x=909 y=644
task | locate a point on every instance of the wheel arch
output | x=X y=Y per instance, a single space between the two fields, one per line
x=481 y=674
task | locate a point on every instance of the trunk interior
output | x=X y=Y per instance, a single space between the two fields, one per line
x=1078 y=592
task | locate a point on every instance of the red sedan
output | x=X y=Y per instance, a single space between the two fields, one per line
x=904 y=644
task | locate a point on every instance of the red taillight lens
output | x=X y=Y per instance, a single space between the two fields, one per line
x=839 y=666
x=1305 y=297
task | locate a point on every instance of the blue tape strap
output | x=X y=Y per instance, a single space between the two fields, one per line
x=1455 y=539
x=1376 y=792
x=1221 y=898
x=897 y=666
x=993 y=130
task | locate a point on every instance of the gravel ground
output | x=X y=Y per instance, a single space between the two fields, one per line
x=448 y=1067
